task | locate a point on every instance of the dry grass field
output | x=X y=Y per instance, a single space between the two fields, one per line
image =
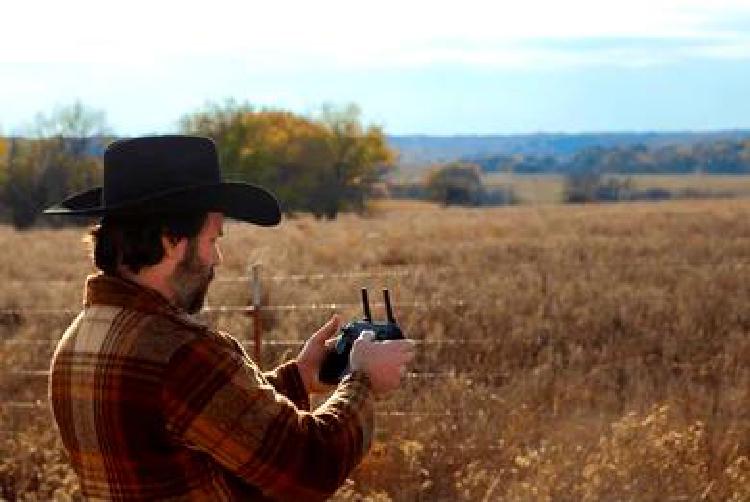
x=565 y=352
x=530 y=188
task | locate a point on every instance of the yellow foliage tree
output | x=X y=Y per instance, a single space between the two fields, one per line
x=322 y=165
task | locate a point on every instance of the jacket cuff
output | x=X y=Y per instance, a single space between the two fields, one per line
x=294 y=385
x=359 y=376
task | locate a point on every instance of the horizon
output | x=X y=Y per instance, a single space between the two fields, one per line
x=667 y=132
x=586 y=133
x=417 y=69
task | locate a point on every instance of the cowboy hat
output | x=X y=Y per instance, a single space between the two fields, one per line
x=169 y=174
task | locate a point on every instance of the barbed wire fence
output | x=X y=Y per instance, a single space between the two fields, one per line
x=254 y=311
x=255 y=308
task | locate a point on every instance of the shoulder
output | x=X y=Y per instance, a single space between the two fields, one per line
x=191 y=343
x=160 y=337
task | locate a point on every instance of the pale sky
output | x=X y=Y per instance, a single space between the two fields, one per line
x=469 y=67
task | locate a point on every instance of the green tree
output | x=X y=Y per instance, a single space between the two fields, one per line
x=53 y=162
x=456 y=183
x=74 y=121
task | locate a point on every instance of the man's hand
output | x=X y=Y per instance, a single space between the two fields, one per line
x=384 y=362
x=313 y=353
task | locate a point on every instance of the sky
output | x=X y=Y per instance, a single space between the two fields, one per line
x=413 y=67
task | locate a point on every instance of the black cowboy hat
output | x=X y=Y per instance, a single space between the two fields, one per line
x=169 y=174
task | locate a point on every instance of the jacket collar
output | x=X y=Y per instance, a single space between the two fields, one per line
x=111 y=290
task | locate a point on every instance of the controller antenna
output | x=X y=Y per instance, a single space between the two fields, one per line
x=388 y=309
x=366 y=306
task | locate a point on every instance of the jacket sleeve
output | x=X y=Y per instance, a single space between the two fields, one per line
x=217 y=401
x=286 y=380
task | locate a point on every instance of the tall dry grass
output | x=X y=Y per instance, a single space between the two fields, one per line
x=569 y=353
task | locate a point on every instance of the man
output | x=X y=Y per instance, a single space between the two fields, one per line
x=153 y=405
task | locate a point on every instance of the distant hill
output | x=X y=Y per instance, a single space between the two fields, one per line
x=416 y=151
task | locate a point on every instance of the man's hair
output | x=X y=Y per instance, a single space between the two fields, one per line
x=135 y=241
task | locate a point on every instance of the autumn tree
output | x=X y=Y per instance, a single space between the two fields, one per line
x=322 y=164
x=359 y=157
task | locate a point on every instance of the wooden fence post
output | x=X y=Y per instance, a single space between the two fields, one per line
x=255 y=289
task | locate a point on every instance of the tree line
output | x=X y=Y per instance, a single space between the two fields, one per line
x=714 y=157
x=586 y=172
x=322 y=164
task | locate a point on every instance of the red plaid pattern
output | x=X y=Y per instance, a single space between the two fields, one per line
x=153 y=405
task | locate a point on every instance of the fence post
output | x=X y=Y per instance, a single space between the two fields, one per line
x=256 y=304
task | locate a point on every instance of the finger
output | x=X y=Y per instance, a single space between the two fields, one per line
x=398 y=348
x=403 y=357
x=401 y=341
x=408 y=351
x=396 y=357
x=401 y=345
x=329 y=329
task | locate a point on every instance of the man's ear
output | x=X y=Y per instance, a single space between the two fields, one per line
x=174 y=248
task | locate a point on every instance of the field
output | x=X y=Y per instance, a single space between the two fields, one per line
x=530 y=188
x=550 y=189
x=565 y=352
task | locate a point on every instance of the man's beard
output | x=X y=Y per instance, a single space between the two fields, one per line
x=190 y=280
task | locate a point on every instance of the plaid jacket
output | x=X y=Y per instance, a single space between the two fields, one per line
x=153 y=405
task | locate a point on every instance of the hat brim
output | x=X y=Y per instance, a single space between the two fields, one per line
x=239 y=201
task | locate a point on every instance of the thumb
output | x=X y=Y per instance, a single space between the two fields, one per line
x=328 y=330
